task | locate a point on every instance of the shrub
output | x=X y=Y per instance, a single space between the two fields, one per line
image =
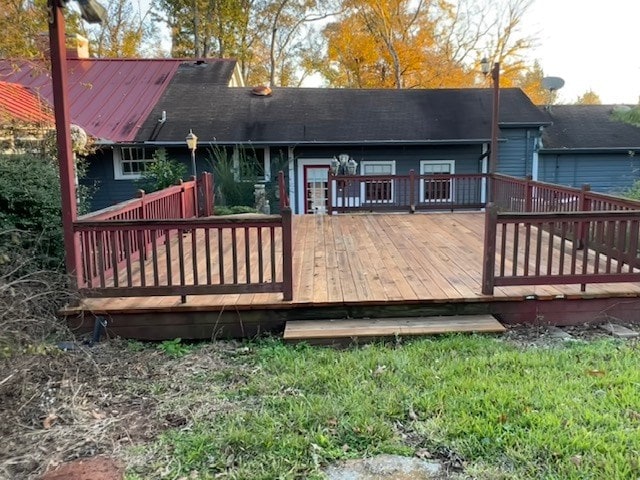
x=234 y=210
x=30 y=202
x=162 y=173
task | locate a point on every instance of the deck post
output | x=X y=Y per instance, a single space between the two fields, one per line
x=182 y=200
x=528 y=194
x=583 y=206
x=287 y=253
x=489 y=254
x=330 y=193
x=412 y=191
x=196 y=211
x=66 y=164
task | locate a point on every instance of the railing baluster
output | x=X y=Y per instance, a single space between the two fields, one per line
x=234 y=254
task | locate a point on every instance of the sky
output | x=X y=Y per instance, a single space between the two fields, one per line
x=592 y=45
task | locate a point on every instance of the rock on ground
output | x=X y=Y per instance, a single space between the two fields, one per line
x=385 y=467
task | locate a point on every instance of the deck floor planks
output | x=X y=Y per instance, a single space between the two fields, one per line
x=363 y=258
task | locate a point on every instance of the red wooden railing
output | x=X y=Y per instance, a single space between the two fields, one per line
x=539 y=233
x=282 y=192
x=537 y=248
x=205 y=256
x=155 y=245
x=513 y=194
x=348 y=193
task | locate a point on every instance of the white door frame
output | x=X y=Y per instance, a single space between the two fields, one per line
x=307 y=162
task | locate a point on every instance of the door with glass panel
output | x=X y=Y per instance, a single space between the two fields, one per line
x=316 y=188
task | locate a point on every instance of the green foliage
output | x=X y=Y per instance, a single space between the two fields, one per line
x=633 y=192
x=162 y=173
x=30 y=208
x=175 y=347
x=234 y=179
x=222 y=210
x=628 y=116
x=569 y=411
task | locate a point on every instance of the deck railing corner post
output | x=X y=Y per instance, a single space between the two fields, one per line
x=287 y=253
x=528 y=194
x=412 y=191
x=489 y=254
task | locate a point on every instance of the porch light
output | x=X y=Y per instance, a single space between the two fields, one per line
x=91 y=11
x=485 y=66
x=192 y=143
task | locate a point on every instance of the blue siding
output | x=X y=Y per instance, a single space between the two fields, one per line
x=467 y=157
x=516 y=153
x=606 y=173
x=109 y=191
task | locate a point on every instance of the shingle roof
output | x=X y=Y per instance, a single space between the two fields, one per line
x=19 y=103
x=588 y=127
x=321 y=115
x=110 y=98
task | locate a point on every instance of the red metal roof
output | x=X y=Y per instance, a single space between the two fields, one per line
x=109 y=98
x=18 y=103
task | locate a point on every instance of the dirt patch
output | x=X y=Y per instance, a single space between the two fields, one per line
x=540 y=336
x=96 y=468
x=60 y=406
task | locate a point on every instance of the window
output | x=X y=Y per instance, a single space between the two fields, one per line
x=252 y=164
x=378 y=191
x=438 y=189
x=130 y=162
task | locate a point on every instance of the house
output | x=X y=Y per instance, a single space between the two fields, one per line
x=384 y=131
x=585 y=144
x=110 y=99
x=24 y=119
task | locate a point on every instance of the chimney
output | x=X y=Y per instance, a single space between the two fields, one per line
x=77 y=46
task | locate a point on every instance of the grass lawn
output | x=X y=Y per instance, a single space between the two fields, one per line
x=564 y=411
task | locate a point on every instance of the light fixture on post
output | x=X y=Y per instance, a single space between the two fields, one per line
x=192 y=143
x=92 y=12
x=343 y=165
x=495 y=112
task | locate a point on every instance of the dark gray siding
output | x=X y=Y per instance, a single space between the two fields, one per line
x=607 y=173
x=516 y=153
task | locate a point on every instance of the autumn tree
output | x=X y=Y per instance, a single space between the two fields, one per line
x=24 y=25
x=589 y=98
x=128 y=31
x=423 y=43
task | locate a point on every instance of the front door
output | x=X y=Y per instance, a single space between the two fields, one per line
x=316 y=190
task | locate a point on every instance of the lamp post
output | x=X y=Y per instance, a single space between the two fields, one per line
x=92 y=12
x=192 y=143
x=495 y=112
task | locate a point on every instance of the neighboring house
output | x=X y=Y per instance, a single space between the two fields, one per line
x=385 y=131
x=110 y=99
x=24 y=119
x=585 y=144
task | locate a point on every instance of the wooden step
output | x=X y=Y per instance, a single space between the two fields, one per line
x=326 y=330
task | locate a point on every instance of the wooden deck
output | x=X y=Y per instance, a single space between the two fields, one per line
x=374 y=261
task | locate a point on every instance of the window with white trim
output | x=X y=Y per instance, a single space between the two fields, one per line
x=437 y=189
x=377 y=191
x=129 y=163
x=252 y=163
